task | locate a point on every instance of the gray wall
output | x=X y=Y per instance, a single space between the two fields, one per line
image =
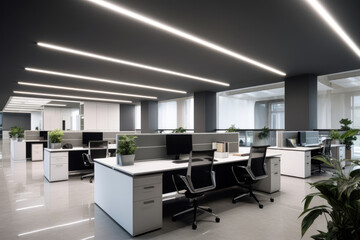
x=149 y=116
x=301 y=102
x=16 y=119
x=127 y=117
x=205 y=112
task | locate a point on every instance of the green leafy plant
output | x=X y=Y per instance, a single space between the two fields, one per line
x=232 y=128
x=56 y=136
x=264 y=133
x=334 y=135
x=126 y=145
x=342 y=193
x=16 y=132
x=179 y=130
x=349 y=137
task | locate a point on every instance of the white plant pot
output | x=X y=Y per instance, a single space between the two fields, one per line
x=125 y=160
x=55 y=145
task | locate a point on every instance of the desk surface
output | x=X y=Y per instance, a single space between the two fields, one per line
x=36 y=141
x=76 y=149
x=302 y=149
x=157 y=166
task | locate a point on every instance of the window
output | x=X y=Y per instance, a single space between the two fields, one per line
x=277 y=116
x=138 y=116
x=188 y=115
x=167 y=115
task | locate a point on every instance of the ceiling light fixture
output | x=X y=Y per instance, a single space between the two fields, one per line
x=129 y=63
x=141 y=18
x=55 y=105
x=85 y=90
x=74 y=97
x=333 y=24
x=102 y=80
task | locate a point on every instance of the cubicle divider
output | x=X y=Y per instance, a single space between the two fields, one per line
x=153 y=146
x=32 y=135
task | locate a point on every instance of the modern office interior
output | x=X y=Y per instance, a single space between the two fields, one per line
x=155 y=119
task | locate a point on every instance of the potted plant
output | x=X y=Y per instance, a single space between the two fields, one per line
x=232 y=128
x=55 y=138
x=342 y=193
x=335 y=136
x=179 y=130
x=16 y=133
x=349 y=138
x=125 y=153
x=264 y=134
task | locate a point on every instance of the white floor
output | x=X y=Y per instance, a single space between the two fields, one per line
x=32 y=208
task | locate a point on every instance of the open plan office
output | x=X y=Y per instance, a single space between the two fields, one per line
x=196 y=119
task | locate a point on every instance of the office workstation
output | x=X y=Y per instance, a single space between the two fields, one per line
x=176 y=120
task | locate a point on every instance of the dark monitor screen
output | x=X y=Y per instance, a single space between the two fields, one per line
x=91 y=136
x=43 y=134
x=177 y=144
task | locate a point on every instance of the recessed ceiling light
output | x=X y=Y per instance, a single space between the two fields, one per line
x=167 y=28
x=85 y=90
x=333 y=24
x=69 y=96
x=55 y=105
x=129 y=63
x=102 y=80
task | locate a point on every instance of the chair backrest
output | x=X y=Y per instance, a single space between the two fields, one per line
x=327 y=147
x=200 y=173
x=256 y=162
x=87 y=159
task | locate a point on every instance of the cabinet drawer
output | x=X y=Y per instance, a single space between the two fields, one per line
x=147 y=180
x=147 y=191
x=59 y=154
x=147 y=215
x=59 y=172
x=59 y=160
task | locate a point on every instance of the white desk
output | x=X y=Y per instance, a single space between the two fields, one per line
x=56 y=162
x=132 y=195
x=295 y=162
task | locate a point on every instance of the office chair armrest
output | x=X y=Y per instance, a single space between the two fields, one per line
x=186 y=183
x=232 y=169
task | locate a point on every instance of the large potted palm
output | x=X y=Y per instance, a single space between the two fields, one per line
x=342 y=195
x=125 y=153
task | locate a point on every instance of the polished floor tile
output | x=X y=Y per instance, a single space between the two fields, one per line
x=32 y=208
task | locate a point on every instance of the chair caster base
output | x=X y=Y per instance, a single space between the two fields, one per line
x=217 y=219
x=173 y=219
x=234 y=201
x=194 y=226
x=271 y=200
x=261 y=206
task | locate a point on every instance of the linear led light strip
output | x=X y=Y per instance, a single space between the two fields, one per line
x=69 y=96
x=126 y=12
x=102 y=80
x=333 y=24
x=56 y=226
x=85 y=90
x=125 y=62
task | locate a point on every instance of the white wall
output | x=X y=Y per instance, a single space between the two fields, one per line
x=36 y=120
x=101 y=116
x=53 y=117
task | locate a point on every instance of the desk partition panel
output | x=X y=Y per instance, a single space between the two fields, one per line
x=153 y=146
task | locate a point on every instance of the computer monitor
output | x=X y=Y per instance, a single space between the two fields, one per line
x=91 y=136
x=177 y=144
x=44 y=134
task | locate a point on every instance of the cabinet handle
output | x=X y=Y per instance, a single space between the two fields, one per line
x=148 y=202
x=276 y=164
x=307 y=163
x=149 y=187
x=276 y=173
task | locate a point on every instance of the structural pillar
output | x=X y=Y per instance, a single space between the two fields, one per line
x=149 y=116
x=205 y=112
x=127 y=117
x=301 y=103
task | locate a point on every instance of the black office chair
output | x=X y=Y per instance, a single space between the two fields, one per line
x=250 y=174
x=88 y=162
x=325 y=152
x=199 y=179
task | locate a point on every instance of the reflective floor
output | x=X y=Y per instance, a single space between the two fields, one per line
x=32 y=208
